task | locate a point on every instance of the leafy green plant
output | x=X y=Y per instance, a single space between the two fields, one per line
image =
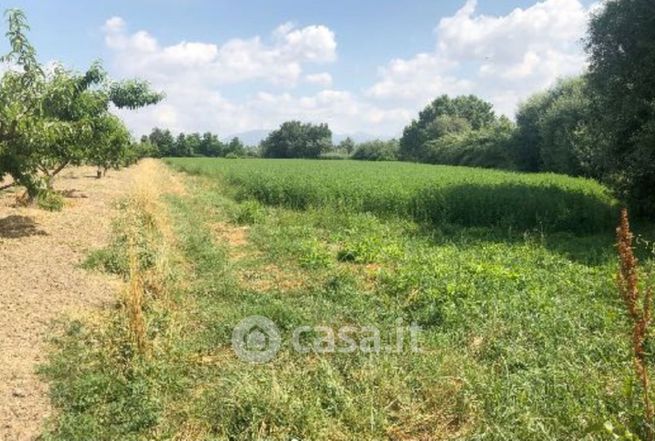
x=314 y=255
x=247 y=212
x=50 y=200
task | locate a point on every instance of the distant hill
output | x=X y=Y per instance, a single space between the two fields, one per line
x=254 y=137
x=357 y=137
x=251 y=137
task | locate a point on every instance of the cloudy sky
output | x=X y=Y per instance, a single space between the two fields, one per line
x=361 y=66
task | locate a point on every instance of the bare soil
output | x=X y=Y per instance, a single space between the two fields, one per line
x=41 y=281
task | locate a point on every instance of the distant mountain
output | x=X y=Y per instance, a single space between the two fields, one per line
x=356 y=136
x=254 y=137
x=251 y=137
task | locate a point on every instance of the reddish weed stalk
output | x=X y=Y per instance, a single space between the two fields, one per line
x=639 y=311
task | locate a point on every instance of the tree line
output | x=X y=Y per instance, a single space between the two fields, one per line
x=294 y=139
x=161 y=143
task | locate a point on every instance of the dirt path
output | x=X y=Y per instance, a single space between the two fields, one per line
x=40 y=281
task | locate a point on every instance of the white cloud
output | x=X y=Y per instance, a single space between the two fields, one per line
x=323 y=79
x=312 y=43
x=502 y=58
x=202 y=110
x=342 y=110
x=236 y=60
x=193 y=73
x=425 y=75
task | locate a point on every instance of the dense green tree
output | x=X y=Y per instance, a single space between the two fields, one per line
x=193 y=143
x=528 y=140
x=295 y=139
x=621 y=47
x=180 y=146
x=163 y=142
x=235 y=148
x=490 y=146
x=347 y=146
x=110 y=145
x=377 y=150
x=210 y=145
x=553 y=129
x=145 y=149
x=442 y=116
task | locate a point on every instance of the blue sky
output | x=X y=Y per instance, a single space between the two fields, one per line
x=361 y=66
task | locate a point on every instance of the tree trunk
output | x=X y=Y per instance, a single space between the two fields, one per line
x=51 y=176
x=58 y=169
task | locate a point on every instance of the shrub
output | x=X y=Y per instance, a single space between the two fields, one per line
x=248 y=212
x=489 y=147
x=50 y=200
x=377 y=151
x=297 y=140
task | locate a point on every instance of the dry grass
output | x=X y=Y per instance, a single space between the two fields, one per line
x=639 y=310
x=146 y=224
x=41 y=280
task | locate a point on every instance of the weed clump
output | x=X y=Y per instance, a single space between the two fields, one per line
x=50 y=200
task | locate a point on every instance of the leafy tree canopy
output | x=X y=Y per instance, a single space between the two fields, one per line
x=621 y=47
x=295 y=139
x=377 y=150
x=442 y=116
x=553 y=129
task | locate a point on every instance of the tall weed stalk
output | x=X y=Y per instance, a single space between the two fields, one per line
x=639 y=307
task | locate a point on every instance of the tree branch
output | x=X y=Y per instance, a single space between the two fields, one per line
x=60 y=168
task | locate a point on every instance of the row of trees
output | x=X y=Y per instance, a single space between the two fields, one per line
x=293 y=139
x=599 y=125
x=53 y=117
x=161 y=143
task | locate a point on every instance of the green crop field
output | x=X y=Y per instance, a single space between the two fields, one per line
x=436 y=194
x=523 y=335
